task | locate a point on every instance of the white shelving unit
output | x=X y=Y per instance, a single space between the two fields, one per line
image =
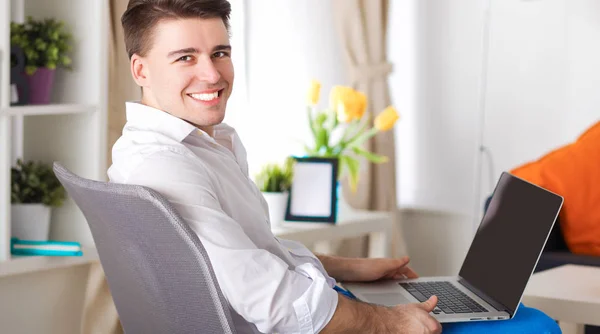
x=50 y=109
x=70 y=130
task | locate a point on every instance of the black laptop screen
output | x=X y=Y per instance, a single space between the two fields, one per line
x=510 y=239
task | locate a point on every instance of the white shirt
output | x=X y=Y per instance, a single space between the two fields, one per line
x=273 y=285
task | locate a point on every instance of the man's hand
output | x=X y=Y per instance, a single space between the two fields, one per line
x=414 y=318
x=356 y=317
x=366 y=270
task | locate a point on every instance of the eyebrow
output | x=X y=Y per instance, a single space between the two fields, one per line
x=222 y=47
x=194 y=50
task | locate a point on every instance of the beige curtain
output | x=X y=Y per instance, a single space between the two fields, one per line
x=362 y=28
x=99 y=313
x=121 y=88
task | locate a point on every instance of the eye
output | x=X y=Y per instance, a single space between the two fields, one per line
x=184 y=58
x=220 y=54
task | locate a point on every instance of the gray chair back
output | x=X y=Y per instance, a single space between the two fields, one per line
x=158 y=272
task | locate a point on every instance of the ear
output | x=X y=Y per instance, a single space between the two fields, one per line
x=139 y=70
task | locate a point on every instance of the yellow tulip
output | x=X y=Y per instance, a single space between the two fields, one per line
x=342 y=113
x=386 y=119
x=361 y=105
x=348 y=103
x=335 y=96
x=313 y=92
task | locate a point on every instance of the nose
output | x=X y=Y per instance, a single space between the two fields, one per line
x=207 y=71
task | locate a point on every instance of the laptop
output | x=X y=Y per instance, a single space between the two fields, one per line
x=497 y=267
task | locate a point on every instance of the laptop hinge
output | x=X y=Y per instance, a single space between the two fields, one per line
x=498 y=306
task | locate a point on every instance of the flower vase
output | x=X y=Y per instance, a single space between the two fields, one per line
x=343 y=208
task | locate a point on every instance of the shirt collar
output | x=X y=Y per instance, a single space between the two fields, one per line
x=147 y=117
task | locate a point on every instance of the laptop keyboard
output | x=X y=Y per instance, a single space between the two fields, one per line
x=450 y=299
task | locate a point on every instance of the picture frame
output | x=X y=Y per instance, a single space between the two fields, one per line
x=313 y=193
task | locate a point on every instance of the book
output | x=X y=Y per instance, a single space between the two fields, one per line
x=45 y=248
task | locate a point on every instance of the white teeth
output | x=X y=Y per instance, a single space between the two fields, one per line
x=205 y=97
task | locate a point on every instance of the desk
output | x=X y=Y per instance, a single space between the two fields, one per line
x=377 y=225
x=569 y=294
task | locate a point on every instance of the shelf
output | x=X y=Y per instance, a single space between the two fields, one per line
x=28 y=264
x=49 y=109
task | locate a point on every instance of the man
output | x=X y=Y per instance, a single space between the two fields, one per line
x=175 y=143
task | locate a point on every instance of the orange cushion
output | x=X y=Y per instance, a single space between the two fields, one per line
x=573 y=171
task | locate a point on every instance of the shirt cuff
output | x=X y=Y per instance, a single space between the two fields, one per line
x=315 y=308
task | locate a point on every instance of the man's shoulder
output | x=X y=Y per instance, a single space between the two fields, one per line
x=138 y=152
x=135 y=137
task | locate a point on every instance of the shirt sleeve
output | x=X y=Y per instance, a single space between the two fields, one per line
x=260 y=286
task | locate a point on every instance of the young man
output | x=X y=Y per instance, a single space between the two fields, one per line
x=175 y=143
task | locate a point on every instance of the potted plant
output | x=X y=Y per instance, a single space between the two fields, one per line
x=45 y=44
x=274 y=181
x=34 y=191
x=341 y=130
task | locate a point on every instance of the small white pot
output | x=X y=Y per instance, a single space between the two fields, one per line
x=30 y=221
x=277 y=203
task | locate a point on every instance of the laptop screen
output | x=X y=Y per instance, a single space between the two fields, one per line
x=510 y=239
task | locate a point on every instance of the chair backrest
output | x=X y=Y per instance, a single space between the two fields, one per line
x=158 y=272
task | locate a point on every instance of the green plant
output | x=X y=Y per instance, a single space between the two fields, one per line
x=275 y=177
x=45 y=43
x=35 y=182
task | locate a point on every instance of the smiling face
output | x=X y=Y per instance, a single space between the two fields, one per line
x=188 y=70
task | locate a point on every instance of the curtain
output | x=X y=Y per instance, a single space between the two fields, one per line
x=99 y=313
x=362 y=28
x=121 y=88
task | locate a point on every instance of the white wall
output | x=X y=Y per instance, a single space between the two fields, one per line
x=583 y=65
x=436 y=242
x=434 y=46
x=543 y=76
x=289 y=42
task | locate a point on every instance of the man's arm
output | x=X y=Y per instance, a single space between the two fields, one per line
x=356 y=317
x=259 y=286
x=340 y=268
x=344 y=269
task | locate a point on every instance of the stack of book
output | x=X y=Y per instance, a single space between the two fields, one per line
x=45 y=248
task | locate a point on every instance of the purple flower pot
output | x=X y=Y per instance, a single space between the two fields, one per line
x=40 y=86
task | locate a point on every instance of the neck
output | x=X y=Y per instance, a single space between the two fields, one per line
x=151 y=103
x=208 y=129
x=148 y=101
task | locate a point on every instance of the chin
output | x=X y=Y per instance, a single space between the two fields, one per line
x=218 y=119
x=209 y=122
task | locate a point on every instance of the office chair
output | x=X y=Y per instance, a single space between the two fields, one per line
x=157 y=270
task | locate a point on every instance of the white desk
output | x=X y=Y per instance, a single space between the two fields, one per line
x=377 y=225
x=569 y=294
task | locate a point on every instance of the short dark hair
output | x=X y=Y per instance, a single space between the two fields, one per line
x=141 y=17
